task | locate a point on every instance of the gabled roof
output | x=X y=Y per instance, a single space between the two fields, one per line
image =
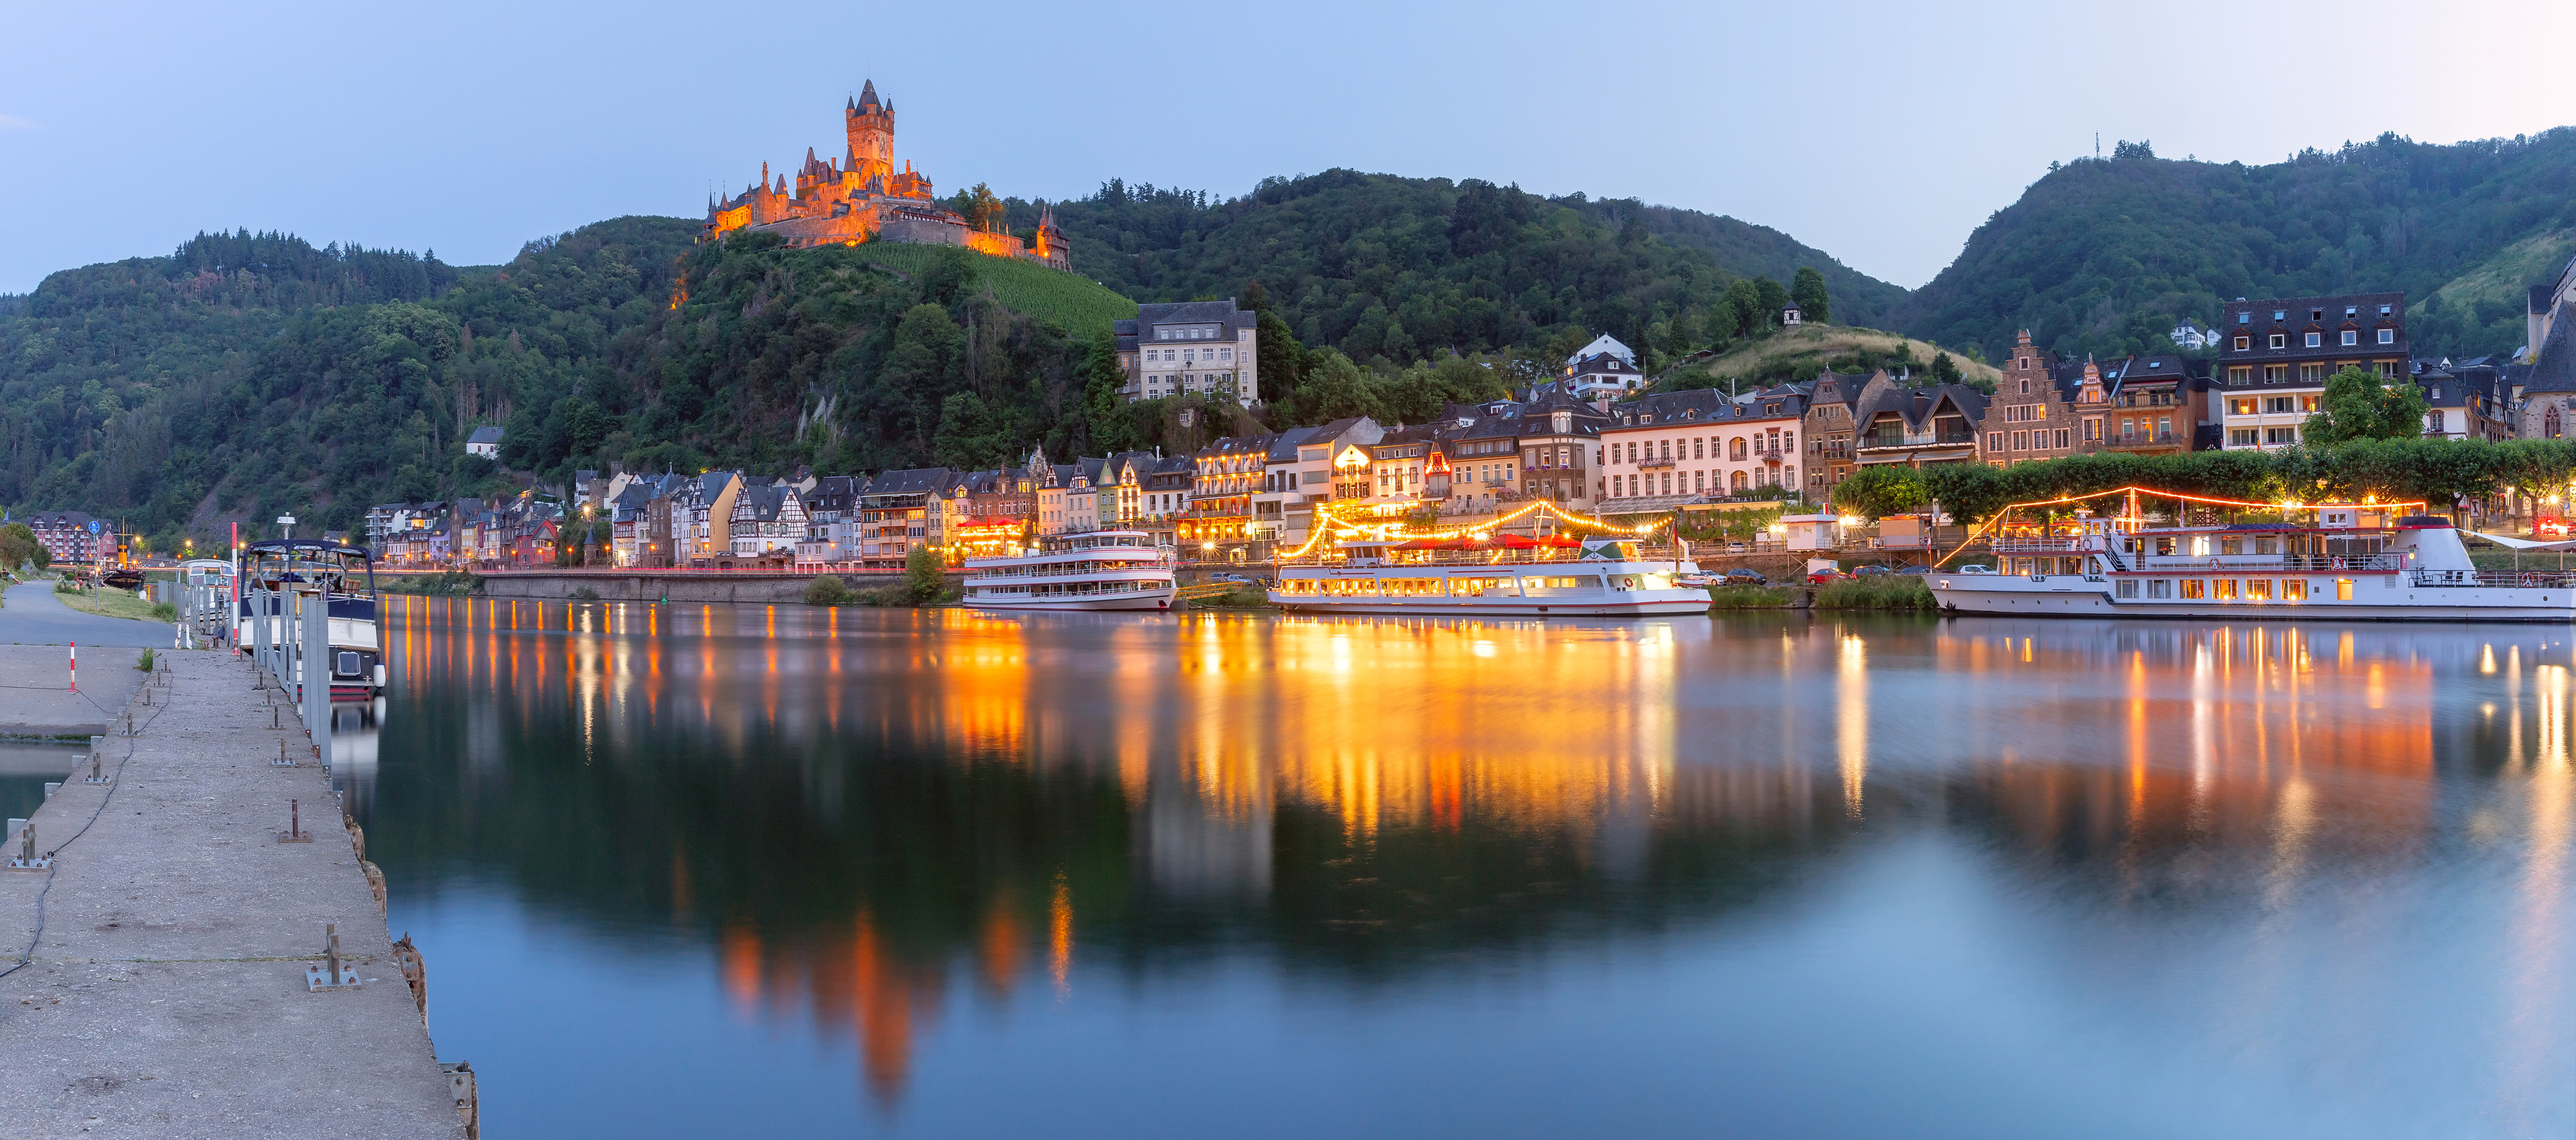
x=2553 y=362
x=909 y=481
x=485 y=434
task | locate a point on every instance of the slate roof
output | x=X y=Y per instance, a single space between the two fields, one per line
x=487 y=434
x=909 y=481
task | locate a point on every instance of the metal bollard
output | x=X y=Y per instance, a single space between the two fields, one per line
x=295 y=832
x=330 y=973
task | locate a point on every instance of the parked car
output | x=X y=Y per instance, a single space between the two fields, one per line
x=1743 y=576
x=1976 y=569
x=1236 y=578
x=1737 y=548
x=1870 y=571
x=1824 y=577
x=1699 y=581
x=1916 y=569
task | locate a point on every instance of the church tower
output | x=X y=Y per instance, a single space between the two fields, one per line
x=871 y=129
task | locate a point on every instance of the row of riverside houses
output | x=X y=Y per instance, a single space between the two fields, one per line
x=1594 y=441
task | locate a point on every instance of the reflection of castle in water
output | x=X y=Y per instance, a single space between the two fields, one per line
x=916 y=797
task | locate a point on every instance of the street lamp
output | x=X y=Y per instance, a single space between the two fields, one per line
x=288 y=522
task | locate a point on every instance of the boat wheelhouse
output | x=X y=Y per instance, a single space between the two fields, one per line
x=2340 y=561
x=1502 y=575
x=1094 y=570
x=264 y=573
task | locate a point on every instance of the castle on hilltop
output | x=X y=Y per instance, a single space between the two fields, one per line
x=863 y=197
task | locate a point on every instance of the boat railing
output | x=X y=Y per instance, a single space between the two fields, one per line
x=2532 y=579
x=2040 y=546
x=2271 y=563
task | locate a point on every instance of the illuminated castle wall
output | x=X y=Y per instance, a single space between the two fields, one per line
x=863 y=196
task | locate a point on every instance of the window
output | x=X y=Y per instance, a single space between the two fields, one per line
x=2160 y=588
x=2279 y=405
x=2388 y=336
x=2258 y=589
x=2240 y=437
x=2436 y=419
x=2308 y=403
x=2240 y=375
x=2246 y=318
x=2021 y=441
x=2316 y=340
x=2280 y=435
x=2280 y=340
x=2312 y=373
x=2191 y=588
x=2226 y=589
x=2276 y=373
x=2343 y=589
x=2125 y=588
x=1994 y=441
x=2280 y=314
x=2294 y=589
x=2243 y=343
x=2025 y=387
x=2061 y=437
x=2351 y=336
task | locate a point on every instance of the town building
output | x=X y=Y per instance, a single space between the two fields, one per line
x=1603 y=374
x=768 y=519
x=1484 y=458
x=1917 y=427
x=1209 y=349
x=899 y=511
x=1559 y=440
x=486 y=442
x=2274 y=358
x=1831 y=399
x=1299 y=470
x=704 y=516
x=863 y=196
x=1224 y=477
x=2464 y=401
x=72 y=537
x=1669 y=448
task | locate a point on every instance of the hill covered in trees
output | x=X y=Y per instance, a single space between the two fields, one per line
x=1401 y=269
x=2105 y=255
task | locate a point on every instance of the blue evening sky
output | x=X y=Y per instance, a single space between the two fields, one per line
x=1881 y=131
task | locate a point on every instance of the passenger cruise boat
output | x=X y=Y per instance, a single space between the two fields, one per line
x=1507 y=575
x=1099 y=570
x=264 y=571
x=2352 y=562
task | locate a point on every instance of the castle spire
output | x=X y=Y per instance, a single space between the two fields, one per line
x=868 y=94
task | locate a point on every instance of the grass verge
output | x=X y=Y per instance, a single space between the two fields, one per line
x=1894 y=592
x=1749 y=598
x=449 y=583
x=107 y=603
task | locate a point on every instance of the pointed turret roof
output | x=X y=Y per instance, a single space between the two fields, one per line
x=868 y=94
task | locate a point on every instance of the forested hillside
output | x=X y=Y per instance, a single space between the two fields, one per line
x=2104 y=256
x=1409 y=268
x=242 y=377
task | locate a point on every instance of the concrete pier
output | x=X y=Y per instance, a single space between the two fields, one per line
x=165 y=995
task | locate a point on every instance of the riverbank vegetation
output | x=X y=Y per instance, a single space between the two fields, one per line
x=104 y=601
x=445 y=584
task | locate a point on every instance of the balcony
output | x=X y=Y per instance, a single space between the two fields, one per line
x=2145 y=439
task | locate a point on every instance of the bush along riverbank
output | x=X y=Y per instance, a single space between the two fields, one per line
x=925 y=583
x=445 y=584
x=1247 y=597
x=1896 y=592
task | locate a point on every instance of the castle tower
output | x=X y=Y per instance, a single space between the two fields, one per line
x=871 y=130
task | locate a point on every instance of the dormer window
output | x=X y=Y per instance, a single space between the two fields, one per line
x=2351 y=310
x=2280 y=314
x=2316 y=340
x=2388 y=336
x=2351 y=336
x=2280 y=340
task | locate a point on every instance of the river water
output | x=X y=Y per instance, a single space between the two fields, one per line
x=692 y=871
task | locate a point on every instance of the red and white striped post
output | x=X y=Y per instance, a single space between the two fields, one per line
x=75 y=666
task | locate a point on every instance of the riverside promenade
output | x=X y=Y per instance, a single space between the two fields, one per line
x=163 y=992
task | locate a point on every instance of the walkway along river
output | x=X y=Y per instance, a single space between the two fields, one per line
x=165 y=991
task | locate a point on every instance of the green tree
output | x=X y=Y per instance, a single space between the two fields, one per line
x=1879 y=491
x=18 y=547
x=1743 y=302
x=1775 y=297
x=1808 y=290
x=2359 y=405
x=923 y=576
x=1944 y=369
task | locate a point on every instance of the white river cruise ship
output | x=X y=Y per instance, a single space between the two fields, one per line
x=2352 y=562
x=1506 y=576
x=1098 y=570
